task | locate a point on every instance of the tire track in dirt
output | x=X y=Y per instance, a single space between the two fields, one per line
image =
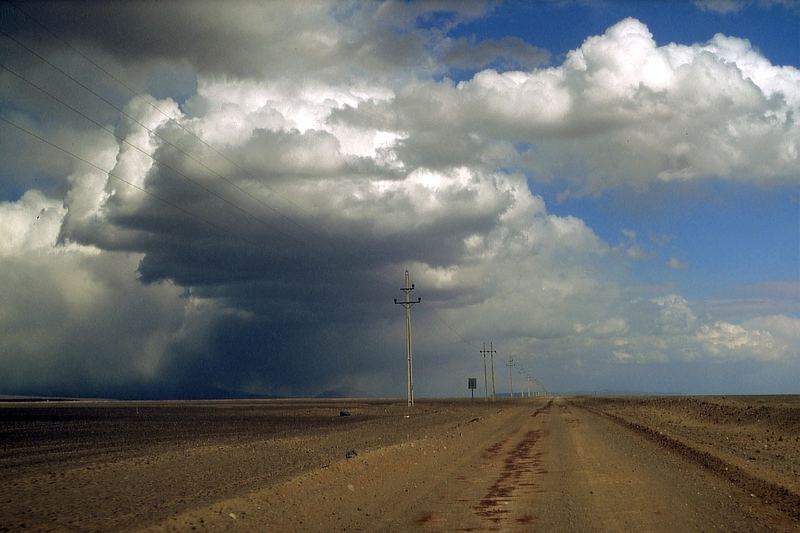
x=769 y=493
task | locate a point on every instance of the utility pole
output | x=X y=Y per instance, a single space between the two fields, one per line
x=492 y=351
x=510 y=380
x=524 y=374
x=407 y=303
x=485 y=378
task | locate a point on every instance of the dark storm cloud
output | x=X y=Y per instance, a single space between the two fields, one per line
x=215 y=38
x=288 y=266
x=243 y=39
x=83 y=324
x=256 y=355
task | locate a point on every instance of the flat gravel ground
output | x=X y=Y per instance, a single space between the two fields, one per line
x=563 y=464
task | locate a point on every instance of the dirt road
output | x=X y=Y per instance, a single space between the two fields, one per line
x=553 y=468
x=537 y=464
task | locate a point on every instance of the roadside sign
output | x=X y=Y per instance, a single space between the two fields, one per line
x=472 y=383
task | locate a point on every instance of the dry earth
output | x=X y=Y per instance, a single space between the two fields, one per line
x=577 y=464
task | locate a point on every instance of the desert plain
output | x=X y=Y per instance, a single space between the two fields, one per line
x=528 y=464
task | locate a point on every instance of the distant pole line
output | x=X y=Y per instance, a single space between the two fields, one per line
x=492 y=351
x=537 y=384
x=510 y=375
x=485 y=375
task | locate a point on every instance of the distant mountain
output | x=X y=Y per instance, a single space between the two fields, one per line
x=341 y=392
x=16 y=398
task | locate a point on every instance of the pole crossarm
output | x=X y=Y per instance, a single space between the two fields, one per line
x=407 y=303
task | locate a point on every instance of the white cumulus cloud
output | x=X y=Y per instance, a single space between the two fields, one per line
x=632 y=111
x=725 y=340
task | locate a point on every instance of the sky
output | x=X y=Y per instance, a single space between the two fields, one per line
x=203 y=200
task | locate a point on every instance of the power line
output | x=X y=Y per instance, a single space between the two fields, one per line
x=137 y=148
x=323 y=239
x=136 y=93
x=509 y=364
x=164 y=201
x=74 y=49
x=458 y=337
x=311 y=232
x=530 y=376
x=157 y=134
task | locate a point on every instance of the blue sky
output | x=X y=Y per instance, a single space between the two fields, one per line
x=608 y=191
x=562 y=26
x=728 y=234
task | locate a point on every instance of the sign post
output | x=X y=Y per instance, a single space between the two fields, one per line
x=472 y=384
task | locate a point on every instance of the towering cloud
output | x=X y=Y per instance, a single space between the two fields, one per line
x=619 y=110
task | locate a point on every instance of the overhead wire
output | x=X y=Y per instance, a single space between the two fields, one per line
x=518 y=357
x=165 y=201
x=135 y=147
x=154 y=132
x=322 y=239
x=168 y=116
x=458 y=336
